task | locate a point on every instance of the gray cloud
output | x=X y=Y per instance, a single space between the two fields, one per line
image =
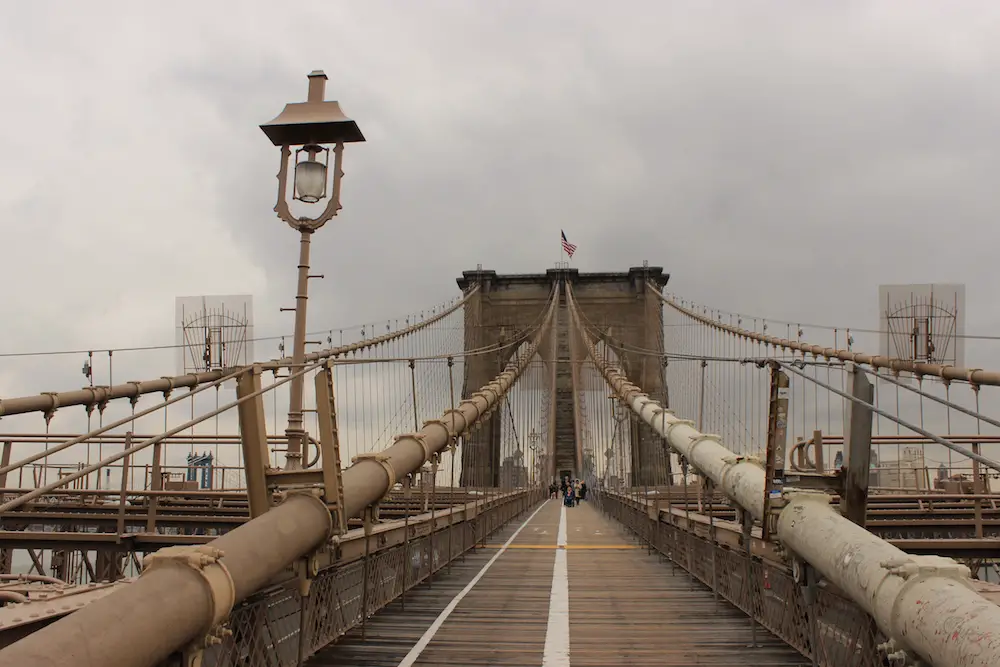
x=776 y=158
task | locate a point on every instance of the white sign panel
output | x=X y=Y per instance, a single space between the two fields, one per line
x=213 y=332
x=924 y=323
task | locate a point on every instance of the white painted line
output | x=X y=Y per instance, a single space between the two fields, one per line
x=556 y=653
x=561 y=537
x=424 y=640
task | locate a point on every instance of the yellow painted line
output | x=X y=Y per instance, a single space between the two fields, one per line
x=584 y=547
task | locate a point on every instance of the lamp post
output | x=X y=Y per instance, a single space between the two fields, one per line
x=588 y=462
x=533 y=439
x=620 y=413
x=517 y=464
x=314 y=125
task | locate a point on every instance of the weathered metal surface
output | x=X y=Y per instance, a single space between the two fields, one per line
x=924 y=603
x=46 y=603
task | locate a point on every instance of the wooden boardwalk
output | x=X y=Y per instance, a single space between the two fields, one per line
x=563 y=587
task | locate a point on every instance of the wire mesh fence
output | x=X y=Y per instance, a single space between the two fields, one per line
x=279 y=626
x=822 y=625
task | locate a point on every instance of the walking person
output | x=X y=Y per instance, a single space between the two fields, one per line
x=570 y=497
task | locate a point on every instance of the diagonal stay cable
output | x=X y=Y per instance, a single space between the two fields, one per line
x=82 y=472
x=913 y=427
x=919 y=392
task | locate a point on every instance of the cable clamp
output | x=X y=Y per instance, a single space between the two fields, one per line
x=442 y=424
x=206 y=561
x=138 y=392
x=421 y=440
x=700 y=438
x=49 y=413
x=680 y=422
x=170 y=387
x=386 y=464
x=453 y=414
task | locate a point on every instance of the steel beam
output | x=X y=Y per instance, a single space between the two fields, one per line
x=854 y=504
x=253 y=439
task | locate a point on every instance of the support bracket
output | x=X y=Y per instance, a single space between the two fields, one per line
x=329 y=444
x=307 y=569
x=370 y=518
x=421 y=440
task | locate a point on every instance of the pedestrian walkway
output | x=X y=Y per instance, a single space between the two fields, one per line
x=567 y=586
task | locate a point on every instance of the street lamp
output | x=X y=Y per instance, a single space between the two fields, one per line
x=533 y=439
x=313 y=125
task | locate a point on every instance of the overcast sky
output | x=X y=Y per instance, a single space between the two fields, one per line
x=777 y=158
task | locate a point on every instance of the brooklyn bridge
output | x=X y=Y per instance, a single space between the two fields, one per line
x=548 y=468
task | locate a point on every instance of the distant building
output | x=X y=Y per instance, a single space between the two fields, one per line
x=200 y=469
x=513 y=473
x=908 y=472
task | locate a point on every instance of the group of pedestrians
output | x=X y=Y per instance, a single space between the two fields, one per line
x=571 y=491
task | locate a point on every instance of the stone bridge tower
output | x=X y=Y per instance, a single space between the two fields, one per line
x=617 y=304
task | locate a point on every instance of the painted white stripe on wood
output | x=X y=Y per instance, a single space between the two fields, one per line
x=428 y=635
x=556 y=652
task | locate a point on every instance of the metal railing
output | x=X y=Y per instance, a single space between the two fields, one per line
x=271 y=627
x=925 y=603
x=822 y=625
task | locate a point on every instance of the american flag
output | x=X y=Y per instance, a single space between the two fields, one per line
x=567 y=246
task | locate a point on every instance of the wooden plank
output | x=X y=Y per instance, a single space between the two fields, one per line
x=626 y=607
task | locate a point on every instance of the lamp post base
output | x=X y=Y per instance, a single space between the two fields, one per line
x=293 y=455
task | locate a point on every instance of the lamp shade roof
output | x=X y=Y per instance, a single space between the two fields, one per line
x=302 y=123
